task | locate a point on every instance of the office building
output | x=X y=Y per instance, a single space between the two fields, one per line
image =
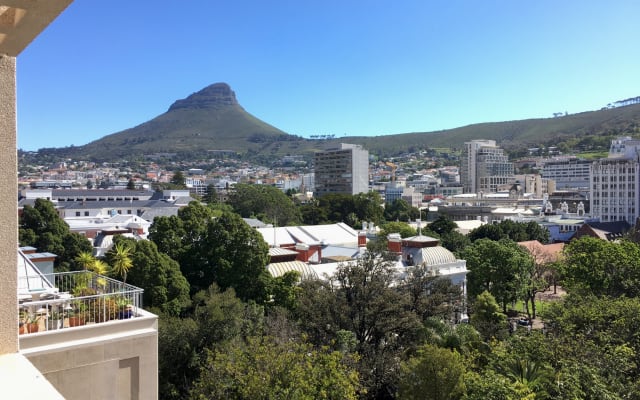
x=344 y=170
x=568 y=173
x=484 y=167
x=614 y=183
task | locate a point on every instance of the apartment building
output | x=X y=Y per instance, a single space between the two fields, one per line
x=114 y=359
x=484 y=167
x=344 y=169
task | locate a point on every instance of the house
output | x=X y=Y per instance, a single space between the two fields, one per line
x=610 y=231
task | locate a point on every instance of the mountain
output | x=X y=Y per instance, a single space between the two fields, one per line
x=213 y=120
x=210 y=119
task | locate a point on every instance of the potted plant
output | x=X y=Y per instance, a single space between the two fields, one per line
x=55 y=322
x=78 y=315
x=32 y=323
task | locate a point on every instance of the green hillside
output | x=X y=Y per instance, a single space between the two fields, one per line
x=212 y=120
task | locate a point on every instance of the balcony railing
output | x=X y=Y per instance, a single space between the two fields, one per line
x=70 y=299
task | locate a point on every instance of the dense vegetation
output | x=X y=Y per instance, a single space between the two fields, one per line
x=228 y=330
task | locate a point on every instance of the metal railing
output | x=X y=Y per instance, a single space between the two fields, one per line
x=74 y=299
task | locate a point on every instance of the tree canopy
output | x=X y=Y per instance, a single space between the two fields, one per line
x=213 y=246
x=515 y=231
x=40 y=226
x=267 y=203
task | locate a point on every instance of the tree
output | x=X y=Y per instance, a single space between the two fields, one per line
x=503 y=268
x=602 y=268
x=368 y=207
x=507 y=229
x=264 y=202
x=211 y=196
x=262 y=368
x=454 y=241
x=337 y=207
x=119 y=257
x=487 y=318
x=40 y=226
x=165 y=288
x=434 y=373
x=400 y=210
x=215 y=246
x=178 y=179
x=443 y=225
x=363 y=300
x=404 y=229
x=131 y=184
x=86 y=260
x=432 y=296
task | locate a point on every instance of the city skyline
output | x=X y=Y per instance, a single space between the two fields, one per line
x=355 y=69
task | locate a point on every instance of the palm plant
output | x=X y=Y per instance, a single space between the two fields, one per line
x=100 y=267
x=121 y=261
x=86 y=260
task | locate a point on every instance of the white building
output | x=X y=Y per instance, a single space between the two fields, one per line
x=567 y=172
x=484 y=167
x=344 y=169
x=614 y=183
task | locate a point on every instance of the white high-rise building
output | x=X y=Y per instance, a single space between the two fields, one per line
x=614 y=183
x=484 y=167
x=344 y=169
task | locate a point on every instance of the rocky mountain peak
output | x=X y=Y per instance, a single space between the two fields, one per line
x=213 y=96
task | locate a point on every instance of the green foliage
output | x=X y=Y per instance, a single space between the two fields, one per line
x=400 y=210
x=266 y=203
x=404 y=229
x=487 y=318
x=362 y=300
x=434 y=373
x=178 y=356
x=454 y=241
x=165 y=288
x=213 y=246
x=515 y=231
x=211 y=196
x=602 y=268
x=262 y=368
x=431 y=296
x=352 y=210
x=503 y=268
x=40 y=226
x=119 y=257
x=443 y=225
x=178 y=179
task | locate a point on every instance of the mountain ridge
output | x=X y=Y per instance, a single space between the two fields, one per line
x=212 y=119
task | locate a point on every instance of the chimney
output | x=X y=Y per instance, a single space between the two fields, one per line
x=395 y=243
x=362 y=239
x=303 y=252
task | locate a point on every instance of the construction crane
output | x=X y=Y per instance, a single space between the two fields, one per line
x=393 y=170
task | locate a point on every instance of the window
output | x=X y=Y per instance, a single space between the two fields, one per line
x=77 y=213
x=86 y=213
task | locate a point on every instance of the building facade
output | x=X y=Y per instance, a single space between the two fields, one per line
x=484 y=167
x=614 y=183
x=568 y=173
x=343 y=170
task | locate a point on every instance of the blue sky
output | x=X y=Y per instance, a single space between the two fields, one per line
x=308 y=67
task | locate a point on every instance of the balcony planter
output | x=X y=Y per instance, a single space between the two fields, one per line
x=56 y=321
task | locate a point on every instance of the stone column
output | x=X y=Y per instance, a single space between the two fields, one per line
x=8 y=207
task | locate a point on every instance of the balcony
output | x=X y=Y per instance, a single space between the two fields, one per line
x=68 y=300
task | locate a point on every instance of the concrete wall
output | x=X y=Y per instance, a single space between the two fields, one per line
x=8 y=204
x=112 y=360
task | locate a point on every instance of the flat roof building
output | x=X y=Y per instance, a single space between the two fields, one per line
x=344 y=170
